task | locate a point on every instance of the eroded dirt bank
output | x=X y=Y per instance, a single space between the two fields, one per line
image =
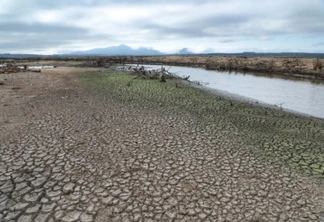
x=297 y=67
x=70 y=153
x=310 y=68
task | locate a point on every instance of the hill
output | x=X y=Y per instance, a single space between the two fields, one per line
x=118 y=51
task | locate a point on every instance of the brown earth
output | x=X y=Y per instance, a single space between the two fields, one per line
x=291 y=67
x=311 y=68
x=68 y=153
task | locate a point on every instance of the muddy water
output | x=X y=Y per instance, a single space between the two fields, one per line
x=299 y=96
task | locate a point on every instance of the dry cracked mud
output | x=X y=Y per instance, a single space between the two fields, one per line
x=70 y=154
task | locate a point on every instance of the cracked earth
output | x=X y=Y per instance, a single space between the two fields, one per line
x=70 y=154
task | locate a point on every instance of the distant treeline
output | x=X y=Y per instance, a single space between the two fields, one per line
x=279 y=55
x=243 y=54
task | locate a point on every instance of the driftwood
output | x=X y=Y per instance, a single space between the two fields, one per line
x=161 y=74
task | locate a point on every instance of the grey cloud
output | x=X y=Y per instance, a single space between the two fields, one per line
x=222 y=26
x=45 y=40
x=227 y=40
x=38 y=4
x=222 y=21
x=148 y=2
x=318 y=44
x=308 y=19
x=38 y=35
x=162 y=31
x=231 y=24
x=41 y=4
x=39 y=28
x=30 y=43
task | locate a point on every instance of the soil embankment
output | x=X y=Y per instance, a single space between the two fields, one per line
x=89 y=145
x=311 y=68
x=298 y=67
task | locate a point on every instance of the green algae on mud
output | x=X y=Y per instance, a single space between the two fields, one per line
x=283 y=137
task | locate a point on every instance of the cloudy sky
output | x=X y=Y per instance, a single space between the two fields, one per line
x=59 y=26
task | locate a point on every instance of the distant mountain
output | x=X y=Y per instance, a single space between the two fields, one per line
x=126 y=50
x=184 y=51
x=118 y=51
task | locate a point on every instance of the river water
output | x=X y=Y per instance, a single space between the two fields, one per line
x=38 y=67
x=300 y=96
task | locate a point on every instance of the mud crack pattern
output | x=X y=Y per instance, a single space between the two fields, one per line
x=85 y=157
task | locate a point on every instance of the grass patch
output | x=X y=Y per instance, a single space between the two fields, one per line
x=275 y=134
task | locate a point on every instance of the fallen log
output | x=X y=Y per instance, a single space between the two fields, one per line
x=161 y=74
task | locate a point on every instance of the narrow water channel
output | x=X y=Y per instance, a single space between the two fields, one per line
x=296 y=95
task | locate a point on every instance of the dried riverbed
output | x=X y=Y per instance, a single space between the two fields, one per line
x=87 y=145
